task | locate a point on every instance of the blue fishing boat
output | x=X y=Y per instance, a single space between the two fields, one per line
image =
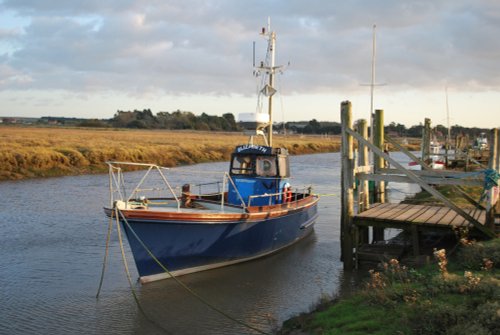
x=254 y=212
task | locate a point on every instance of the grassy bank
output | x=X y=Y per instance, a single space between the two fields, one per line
x=27 y=152
x=459 y=294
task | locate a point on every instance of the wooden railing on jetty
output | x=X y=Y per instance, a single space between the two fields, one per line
x=378 y=215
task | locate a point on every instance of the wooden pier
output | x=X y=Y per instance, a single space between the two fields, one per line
x=372 y=218
x=405 y=215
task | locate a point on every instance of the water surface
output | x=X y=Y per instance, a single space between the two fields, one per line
x=52 y=246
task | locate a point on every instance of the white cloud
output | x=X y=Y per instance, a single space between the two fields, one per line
x=193 y=47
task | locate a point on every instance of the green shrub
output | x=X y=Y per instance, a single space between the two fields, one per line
x=475 y=255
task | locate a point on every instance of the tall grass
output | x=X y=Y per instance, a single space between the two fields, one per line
x=457 y=295
x=27 y=152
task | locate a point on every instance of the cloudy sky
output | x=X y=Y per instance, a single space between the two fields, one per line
x=90 y=58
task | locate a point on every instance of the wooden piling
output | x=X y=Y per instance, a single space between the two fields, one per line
x=363 y=160
x=347 y=200
x=379 y=163
x=364 y=187
x=492 y=193
x=426 y=139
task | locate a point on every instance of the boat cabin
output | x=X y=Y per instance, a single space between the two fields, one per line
x=261 y=172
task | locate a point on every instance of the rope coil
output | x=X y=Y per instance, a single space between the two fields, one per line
x=491 y=177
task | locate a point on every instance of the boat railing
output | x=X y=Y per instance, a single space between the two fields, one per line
x=221 y=190
x=117 y=182
x=202 y=186
x=298 y=191
x=227 y=177
x=118 y=187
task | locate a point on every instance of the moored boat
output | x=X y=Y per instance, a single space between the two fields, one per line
x=173 y=231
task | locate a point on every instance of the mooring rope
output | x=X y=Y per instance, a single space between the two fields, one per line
x=105 y=261
x=187 y=288
x=327 y=195
x=491 y=177
x=490 y=180
x=129 y=278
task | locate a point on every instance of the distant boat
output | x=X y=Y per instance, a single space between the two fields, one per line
x=435 y=147
x=481 y=142
x=434 y=160
x=256 y=212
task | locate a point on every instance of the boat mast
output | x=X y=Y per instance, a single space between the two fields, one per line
x=372 y=85
x=448 y=140
x=270 y=69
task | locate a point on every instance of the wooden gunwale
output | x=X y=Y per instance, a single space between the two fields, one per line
x=255 y=213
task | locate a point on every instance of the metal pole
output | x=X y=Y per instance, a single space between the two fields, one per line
x=372 y=85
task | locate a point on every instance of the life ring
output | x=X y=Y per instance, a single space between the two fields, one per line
x=287 y=193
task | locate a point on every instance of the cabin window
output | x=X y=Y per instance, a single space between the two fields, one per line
x=266 y=166
x=243 y=165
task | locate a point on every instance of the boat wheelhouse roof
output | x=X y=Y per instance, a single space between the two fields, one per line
x=260 y=161
x=259 y=150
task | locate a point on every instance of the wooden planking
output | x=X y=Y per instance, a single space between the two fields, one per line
x=447 y=216
x=394 y=212
x=402 y=214
x=424 y=217
x=373 y=212
x=412 y=213
x=482 y=216
x=459 y=221
x=439 y=216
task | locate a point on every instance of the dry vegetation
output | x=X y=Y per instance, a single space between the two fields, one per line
x=27 y=152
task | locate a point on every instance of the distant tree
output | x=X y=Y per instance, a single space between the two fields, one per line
x=397 y=128
x=415 y=131
x=121 y=119
x=229 y=117
x=313 y=127
x=94 y=123
x=139 y=124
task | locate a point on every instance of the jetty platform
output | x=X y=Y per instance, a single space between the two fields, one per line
x=403 y=216
x=362 y=230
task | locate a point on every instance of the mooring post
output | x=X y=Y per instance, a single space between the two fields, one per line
x=364 y=188
x=379 y=163
x=498 y=171
x=426 y=139
x=493 y=192
x=347 y=200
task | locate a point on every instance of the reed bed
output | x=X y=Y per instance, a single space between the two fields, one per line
x=29 y=152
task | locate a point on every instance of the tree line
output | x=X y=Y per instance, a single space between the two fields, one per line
x=184 y=120
x=173 y=120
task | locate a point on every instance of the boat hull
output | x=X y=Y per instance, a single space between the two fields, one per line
x=191 y=246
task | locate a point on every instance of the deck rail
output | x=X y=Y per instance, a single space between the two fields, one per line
x=118 y=189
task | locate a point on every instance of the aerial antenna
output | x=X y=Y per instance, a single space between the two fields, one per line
x=254 y=54
x=448 y=141
x=373 y=84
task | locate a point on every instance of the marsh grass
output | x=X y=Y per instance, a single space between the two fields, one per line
x=27 y=152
